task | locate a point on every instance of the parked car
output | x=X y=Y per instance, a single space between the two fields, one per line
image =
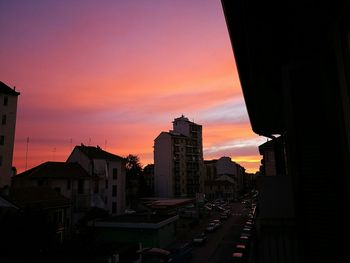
x=200 y=239
x=154 y=254
x=181 y=252
x=211 y=227
x=238 y=257
x=223 y=216
x=217 y=222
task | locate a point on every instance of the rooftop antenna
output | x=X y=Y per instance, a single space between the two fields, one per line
x=71 y=142
x=27 y=153
x=89 y=141
x=105 y=144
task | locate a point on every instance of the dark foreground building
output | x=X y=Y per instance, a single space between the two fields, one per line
x=293 y=60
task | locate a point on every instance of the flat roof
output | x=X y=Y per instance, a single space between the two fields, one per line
x=149 y=221
x=165 y=203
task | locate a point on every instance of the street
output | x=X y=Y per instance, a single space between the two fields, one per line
x=220 y=243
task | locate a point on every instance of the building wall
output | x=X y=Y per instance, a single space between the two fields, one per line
x=161 y=237
x=225 y=165
x=178 y=160
x=102 y=183
x=163 y=165
x=8 y=131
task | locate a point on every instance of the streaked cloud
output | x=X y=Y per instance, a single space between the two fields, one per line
x=116 y=73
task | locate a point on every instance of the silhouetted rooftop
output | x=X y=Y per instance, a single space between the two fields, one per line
x=97 y=153
x=4 y=89
x=210 y=161
x=55 y=170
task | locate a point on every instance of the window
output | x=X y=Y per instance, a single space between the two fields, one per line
x=96 y=186
x=57 y=189
x=106 y=184
x=3 y=121
x=0 y=160
x=114 y=190
x=2 y=140
x=80 y=186
x=115 y=173
x=40 y=182
x=68 y=184
x=58 y=216
x=6 y=100
x=114 y=207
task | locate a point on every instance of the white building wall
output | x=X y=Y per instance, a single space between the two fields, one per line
x=8 y=131
x=163 y=166
x=104 y=170
x=181 y=125
x=78 y=157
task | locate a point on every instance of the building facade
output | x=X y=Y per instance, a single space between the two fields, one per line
x=107 y=173
x=178 y=160
x=68 y=179
x=221 y=171
x=8 y=112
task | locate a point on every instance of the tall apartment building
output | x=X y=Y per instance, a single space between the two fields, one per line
x=8 y=110
x=178 y=160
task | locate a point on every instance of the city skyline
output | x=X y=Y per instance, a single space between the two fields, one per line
x=115 y=73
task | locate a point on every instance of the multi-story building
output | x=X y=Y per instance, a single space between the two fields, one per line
x=68 y=179
x=107 y=173
x=8 y=111
x=178 y=160
x=219 y=171
x=293 y=61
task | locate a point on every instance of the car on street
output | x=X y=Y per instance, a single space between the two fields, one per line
x=217 y=222
x=211 y=227
x=154 y=254
x=238 y=257
x=181 y=252
x=200 y=239
x=223 y=216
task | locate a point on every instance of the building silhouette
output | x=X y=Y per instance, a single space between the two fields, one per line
x=107 y=172
x=293 y=60
x=223 y=178
x=178 y=160
x=8 y=111
x=68 y=179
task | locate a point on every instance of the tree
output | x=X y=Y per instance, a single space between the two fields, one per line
x=133 y=165
x=133 y=172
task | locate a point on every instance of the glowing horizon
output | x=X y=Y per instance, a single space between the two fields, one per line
x=118 y=73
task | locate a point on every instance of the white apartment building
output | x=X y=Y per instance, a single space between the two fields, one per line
x=107 y=171
x=178 y=160
x=8 y=111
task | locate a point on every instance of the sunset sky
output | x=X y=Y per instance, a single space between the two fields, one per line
x=116 y=74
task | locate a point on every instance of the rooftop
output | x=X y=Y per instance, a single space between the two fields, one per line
x=158 y=203
x=135 y=221
x=55 y=170
x=4 y=89
x=97 y=153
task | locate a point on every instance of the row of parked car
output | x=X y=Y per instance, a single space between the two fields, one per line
x=178 y=253
x=243 y=244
